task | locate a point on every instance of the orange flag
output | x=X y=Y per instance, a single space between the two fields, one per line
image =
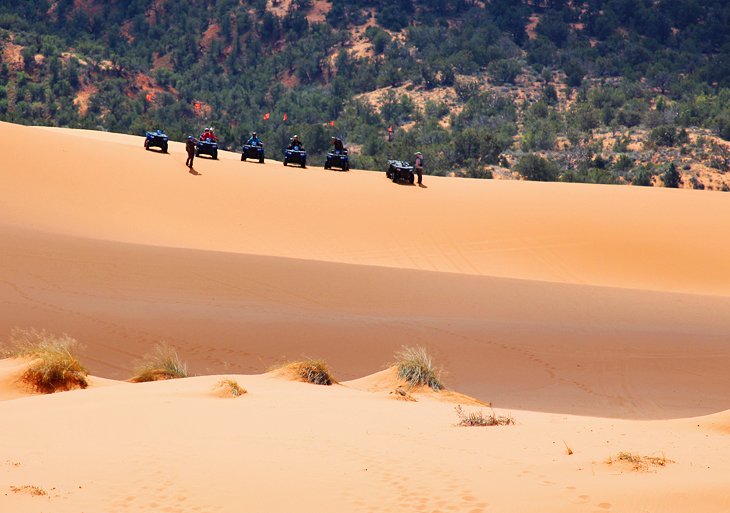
x=285 y=117
x=266 y=116
x=197 y=105
x=332 y=123
x=149 y=97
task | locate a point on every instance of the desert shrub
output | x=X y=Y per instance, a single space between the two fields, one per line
x=671 y=177
x=231 y=387
x=642 y=177
x=479 y=418
x=162 y=363
x=534 y=167
x=416 y=367
x=663 y=136
x=54 y=366
x=311 y=371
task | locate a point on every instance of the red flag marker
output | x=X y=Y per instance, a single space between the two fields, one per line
x=266 y=116
x=332 y=123
x=285 y=117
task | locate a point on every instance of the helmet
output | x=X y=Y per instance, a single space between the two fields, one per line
x=418 y=153
x=253 y=133
x=190 y=138
x=158 y=131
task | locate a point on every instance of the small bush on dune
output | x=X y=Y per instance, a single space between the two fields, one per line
x=479 y=418
x=231 y=387
x=162 y=363
x=311 y=371
x=415 y=366
x=54 y=366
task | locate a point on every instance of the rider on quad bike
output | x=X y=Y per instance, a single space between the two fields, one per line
x=254 y=140
x=208 y=134
x=295 y=143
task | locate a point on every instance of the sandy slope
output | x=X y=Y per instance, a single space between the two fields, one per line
x=612 y=302
x=284 y=446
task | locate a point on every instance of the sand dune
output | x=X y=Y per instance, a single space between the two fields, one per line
x=548 y=300
x=87 y=185
x=284 y=446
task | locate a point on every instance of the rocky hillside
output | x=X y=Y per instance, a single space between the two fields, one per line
x=606 y=91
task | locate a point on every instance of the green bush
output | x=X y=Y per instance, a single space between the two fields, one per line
x=535 y=168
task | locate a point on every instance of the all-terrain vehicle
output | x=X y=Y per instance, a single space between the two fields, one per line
x=297 y=155
x=207 y=147
x=251 y=151
x=156 y=139
x=337 y=159
x=400 y=171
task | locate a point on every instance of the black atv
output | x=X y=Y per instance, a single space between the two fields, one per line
x=156 y=139
x=207 y=147
x=400 y=171
x=297 y=155
x=251 y=151
x=337 y=159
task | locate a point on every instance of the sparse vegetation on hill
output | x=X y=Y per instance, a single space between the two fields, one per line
x=474 y=85
x=54 y=366
x=637 y=462
x=162 y=363
x=479 y=418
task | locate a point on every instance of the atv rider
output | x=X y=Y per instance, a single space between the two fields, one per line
x=254 y=140
x=338 y=145
x=295 y=144
x=208 y=135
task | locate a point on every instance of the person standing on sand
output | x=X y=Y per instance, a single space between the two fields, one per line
x=190 y=148
x=418 y=165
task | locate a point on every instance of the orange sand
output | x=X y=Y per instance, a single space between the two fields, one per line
x=598 y=316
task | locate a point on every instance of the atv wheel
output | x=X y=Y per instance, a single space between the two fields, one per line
x=215 y=155
x=164 y=148
x=147 y=145
x=243 y=158
x=411 y=178
x=261 y=160
x=286 y=162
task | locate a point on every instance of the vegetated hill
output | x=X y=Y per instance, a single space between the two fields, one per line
x=609 y=91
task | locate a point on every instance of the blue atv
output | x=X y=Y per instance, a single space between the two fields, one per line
x=156 y=139
x=338 y=159
x=296 y=155
x=400 y=171
x=253 y=151
x=207 y=147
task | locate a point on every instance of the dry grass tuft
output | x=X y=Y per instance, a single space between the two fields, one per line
x=479 y=418
x=162 y=363
x=416 y=367
x=310 y=371
x=29 y=489
x=231 y=388
x=568 y=450
x=54 y=366
x=637 y=462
